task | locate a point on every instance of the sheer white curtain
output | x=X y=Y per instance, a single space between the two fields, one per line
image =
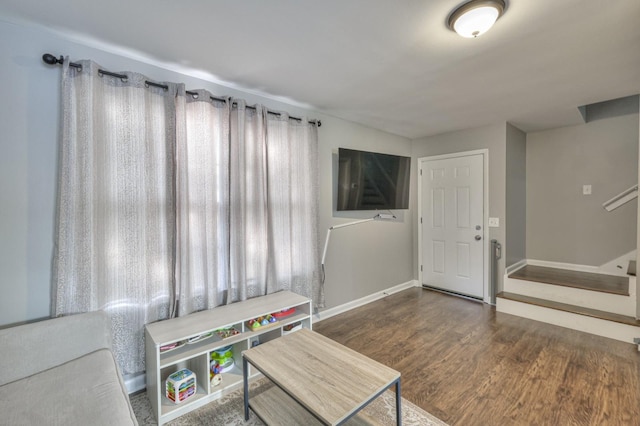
x=202 y=175
x=292 y=187
x=173 y=202
x=116 y=207
x=249 y=249
x=264 y=239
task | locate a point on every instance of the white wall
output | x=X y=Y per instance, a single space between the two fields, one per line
x=490 y=137
x=361 y=260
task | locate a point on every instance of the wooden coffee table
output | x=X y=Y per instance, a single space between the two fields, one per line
x=318 y=381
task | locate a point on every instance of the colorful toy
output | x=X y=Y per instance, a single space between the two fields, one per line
x=215 y=368
x=224 y=333
x=171 y=346
x=292 y=327
x=261 y=321
x=284 y=313
x=215 y=373
x=216 y=380
x=199 y=337
x=224 y=357
x=181 y=385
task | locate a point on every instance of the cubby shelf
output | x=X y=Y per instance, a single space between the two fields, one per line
x=196 y=356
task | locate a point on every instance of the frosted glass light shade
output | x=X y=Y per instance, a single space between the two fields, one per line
x=476 y=17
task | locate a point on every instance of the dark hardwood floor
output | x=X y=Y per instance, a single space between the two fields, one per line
x=585 y=280
x=468 y=365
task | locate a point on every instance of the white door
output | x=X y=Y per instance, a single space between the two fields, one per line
x=452 y=224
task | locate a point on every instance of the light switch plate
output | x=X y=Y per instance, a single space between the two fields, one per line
x=494 y=222
x=586 y=189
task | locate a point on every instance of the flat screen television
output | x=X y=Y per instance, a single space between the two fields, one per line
x=372 y=181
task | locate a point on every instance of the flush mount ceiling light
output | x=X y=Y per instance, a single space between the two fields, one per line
x=475 y=17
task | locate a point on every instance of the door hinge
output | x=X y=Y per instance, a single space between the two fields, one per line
x=420 y=268
x=420 y=220
x=420 y=172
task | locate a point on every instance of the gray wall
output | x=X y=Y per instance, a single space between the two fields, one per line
x=489 y=137
x=361 y=260
x=562 y=224
x=516 y=195
x=28 y=119
x=370 y=257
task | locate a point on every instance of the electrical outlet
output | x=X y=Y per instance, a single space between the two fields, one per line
x=494 y=222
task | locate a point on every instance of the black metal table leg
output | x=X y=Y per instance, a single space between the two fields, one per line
x=398 y=404
x=245 y=378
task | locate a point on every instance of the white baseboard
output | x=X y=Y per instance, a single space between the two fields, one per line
x=518 y=265
x=619 y=265
x=135 y=383
x=609 y=268
x=560 y=265
x=328 y=313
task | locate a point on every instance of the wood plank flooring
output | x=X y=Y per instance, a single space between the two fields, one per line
x=468 y=365
x=564 y=277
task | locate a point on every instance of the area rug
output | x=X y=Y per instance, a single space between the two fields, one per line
x=229 y=410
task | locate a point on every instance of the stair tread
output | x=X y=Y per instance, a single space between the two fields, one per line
x=581 y=310
x=576 y=279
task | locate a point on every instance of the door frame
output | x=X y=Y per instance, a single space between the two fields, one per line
x=485 y=213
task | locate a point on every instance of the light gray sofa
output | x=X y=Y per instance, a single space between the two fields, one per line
x=62 y=372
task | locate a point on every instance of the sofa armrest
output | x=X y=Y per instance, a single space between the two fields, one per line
x=31 y=348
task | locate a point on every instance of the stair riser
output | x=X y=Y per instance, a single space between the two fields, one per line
x=624 y=305
x=599 y=327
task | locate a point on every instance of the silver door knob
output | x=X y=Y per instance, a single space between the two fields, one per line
x=478 y=237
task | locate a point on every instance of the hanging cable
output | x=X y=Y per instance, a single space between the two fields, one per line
x=52 y=60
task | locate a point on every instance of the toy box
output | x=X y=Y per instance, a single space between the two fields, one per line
x=181 y=385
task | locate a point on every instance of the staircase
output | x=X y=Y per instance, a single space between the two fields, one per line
x=594 y=303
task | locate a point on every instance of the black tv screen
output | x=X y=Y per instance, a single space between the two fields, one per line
x=372 y=181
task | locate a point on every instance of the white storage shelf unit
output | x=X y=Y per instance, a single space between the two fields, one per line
x=196 y=356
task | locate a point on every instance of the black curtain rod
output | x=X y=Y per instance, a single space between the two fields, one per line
x=52 y=60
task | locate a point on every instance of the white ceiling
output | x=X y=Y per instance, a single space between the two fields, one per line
x=388 y=64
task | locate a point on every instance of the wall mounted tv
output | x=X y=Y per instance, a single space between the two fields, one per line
x=372 y=181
